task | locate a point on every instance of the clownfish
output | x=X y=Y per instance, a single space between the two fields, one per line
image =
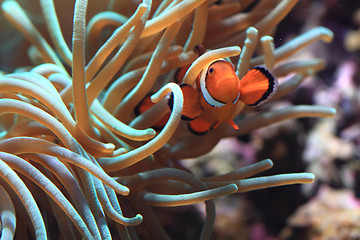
x=216 y=92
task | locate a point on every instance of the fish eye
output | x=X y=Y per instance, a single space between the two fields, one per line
x=210 y=71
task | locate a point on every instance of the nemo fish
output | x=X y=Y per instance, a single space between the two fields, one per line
x=216 y=92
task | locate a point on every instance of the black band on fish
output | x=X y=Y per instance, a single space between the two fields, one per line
x=272 y=86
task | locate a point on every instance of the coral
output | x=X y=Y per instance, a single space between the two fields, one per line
x=352 y=42
x=332 y=214
x=74 y=159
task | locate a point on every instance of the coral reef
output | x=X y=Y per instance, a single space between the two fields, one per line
x=76 y=162
x=333 y=214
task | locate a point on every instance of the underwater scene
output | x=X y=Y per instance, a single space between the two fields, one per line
x=180 y=119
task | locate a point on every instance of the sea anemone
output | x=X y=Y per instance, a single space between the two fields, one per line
x=76 y=162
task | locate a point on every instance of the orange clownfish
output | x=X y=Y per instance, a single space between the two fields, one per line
x=216 y=92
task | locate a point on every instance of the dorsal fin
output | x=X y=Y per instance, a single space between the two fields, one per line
x=199 y=49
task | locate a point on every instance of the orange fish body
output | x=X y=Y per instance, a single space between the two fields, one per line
x=219 y=89
x=213 y=98
x=219 y=93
